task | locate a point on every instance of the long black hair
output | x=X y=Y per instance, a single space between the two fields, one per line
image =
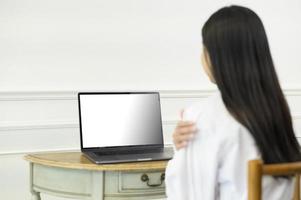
x=243 y=69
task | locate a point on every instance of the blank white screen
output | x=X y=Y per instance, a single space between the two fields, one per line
x=120 y=119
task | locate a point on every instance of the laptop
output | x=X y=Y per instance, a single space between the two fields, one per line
x=117 y=127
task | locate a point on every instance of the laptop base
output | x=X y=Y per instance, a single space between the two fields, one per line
x=165 y=154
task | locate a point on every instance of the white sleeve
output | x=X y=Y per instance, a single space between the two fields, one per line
x=175 y=178
x=192 y=173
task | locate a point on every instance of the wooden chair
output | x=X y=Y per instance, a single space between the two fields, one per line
x=256 y=170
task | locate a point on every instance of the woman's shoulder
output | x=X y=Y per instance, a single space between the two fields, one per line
x=212 y=114
x=210 y=108
x=206 y=105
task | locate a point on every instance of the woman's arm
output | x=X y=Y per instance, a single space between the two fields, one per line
x=192 y=173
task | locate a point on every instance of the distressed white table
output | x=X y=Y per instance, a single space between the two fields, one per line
x=72 y=175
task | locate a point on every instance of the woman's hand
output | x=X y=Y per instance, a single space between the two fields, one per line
x=184 y=132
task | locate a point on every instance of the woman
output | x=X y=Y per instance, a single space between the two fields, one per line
x=247 y=119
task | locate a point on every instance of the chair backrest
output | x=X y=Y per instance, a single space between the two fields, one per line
x=256 y=170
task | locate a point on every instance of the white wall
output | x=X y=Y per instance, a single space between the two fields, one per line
x=51 y=49
x=96 y=44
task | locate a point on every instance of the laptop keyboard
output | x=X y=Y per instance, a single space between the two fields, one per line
x=123 y=152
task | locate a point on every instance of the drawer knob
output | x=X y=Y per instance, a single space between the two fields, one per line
x=145 y=178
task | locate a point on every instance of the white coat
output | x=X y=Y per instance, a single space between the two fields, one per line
x=214 y=164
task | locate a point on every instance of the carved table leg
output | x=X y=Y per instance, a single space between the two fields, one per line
x=35 y=195
x=98 y=185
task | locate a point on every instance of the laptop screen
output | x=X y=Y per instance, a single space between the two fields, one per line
x=120 y=119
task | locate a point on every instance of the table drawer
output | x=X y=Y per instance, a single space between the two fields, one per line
x=60 y=180
x=134 y=183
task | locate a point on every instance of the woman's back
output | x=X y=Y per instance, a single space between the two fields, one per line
x=214 y=165
x=248 y=119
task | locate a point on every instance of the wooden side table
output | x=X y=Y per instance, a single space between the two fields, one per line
x=72 y=175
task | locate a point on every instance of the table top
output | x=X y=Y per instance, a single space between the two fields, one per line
x=76 y=160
